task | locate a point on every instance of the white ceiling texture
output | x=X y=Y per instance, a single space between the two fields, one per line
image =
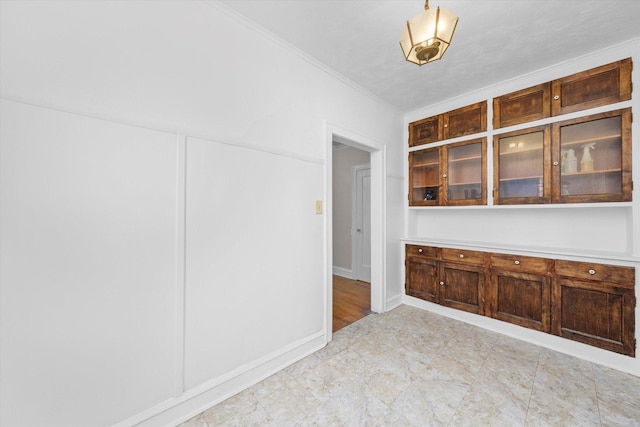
x=495 y=39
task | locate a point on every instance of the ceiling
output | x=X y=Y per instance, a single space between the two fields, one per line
x=495 y=39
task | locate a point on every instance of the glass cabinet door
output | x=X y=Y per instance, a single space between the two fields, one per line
x=466 y=173
x=424 y=177
x=593 y=158
x=520 y=175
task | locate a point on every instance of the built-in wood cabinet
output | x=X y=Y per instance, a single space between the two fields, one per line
x=463 y=121
x=522 y=106
x=452 y=174
x=599 y=86
x=445 y=276
x=587 y=302
x=520 y=290
x=578 y=160
x=582 y=160
x=596 y=87
x=591 y=158
x=461 y=280
x=595 y=304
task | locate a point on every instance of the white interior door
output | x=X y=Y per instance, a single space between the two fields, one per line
x=362 y=224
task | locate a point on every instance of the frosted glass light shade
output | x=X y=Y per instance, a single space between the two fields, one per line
x=427 y=35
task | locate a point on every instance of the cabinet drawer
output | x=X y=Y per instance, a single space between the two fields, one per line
x=599 y=272
x=459 y=255
x=421 y=251
x=519 y=263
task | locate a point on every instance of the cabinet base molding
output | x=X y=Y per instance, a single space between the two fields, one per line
x=589 y=353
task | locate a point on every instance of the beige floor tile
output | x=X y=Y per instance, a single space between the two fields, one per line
x=409 y=367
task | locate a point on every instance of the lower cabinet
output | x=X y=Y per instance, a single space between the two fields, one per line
x=520 y=291
x=594 y=304
x=458 y=284
x=590 y=303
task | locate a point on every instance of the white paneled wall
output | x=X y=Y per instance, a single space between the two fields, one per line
x=145 y=274
x=88 y=267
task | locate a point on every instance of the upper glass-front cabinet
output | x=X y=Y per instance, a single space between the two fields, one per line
x=453 y=174
x=590 y=161
x=521 y=163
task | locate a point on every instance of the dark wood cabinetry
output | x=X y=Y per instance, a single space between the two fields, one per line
x=603 y=85
x=522 y=106
x=520 y=291
x=461 y=122
x=422 y=272
x=462 y=277
x=444 y=277
x=594 y=304
x=596 y=87
x=590 y=303
x=582 y=160
x=453 y=174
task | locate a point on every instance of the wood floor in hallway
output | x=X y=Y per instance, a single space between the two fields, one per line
x=351 y=301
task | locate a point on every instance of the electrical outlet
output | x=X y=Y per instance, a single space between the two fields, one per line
x=318 y=207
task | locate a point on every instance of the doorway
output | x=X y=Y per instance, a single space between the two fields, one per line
x=377 y=156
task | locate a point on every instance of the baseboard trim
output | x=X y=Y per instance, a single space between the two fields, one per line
x=394 y=302
x=198 y=399
x=343 y=272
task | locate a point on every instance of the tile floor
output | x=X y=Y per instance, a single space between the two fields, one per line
x=409 y=367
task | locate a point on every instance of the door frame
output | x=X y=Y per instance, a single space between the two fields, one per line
x=355 y=248
x=378 y=156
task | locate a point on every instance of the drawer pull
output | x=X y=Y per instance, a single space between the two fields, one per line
x=420 y=250
x=516 y=262
x=592 y=272
x=555 y=163
x=461 y=255
x=441 y=283
x=556 y=97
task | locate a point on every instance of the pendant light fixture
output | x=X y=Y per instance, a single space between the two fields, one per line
x=427 y=35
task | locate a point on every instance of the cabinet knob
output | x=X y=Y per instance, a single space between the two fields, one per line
x=446 y=125
x=444 y=175
x=556 y=97
x=555 y=163
x=461 y=255
x=420 y=250
x=516 y=262
x=441 y=283
x=592 y=272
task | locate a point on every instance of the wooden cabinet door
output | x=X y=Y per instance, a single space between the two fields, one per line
x=422 y=279
x=596 y=313
x=520 y=298
x=603 y=85
x=426 y=131
x=465 y=121
x=522 y=106
x=425 y=180
x=522 y=166
x=462 y=286
x=607 y=176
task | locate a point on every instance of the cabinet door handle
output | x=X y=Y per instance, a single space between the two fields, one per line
x=444 y=175
x=420 y=250
x=556 y=97
x=555 y=163
x=461 y=255
x=516 y=262
x=592 y=272
x=446 y=125
x=441 y=283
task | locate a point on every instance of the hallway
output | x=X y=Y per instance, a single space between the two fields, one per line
x=351 y=301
